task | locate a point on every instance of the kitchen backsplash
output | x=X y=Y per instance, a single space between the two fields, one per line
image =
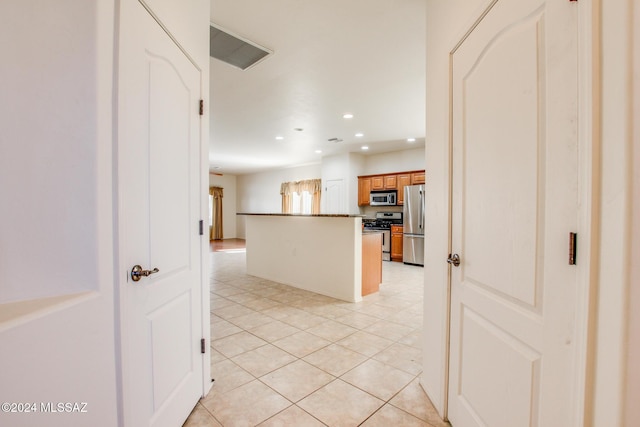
x=370 y=211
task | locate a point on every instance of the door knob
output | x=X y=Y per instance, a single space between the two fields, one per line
x=137 y=272
x=454 y=260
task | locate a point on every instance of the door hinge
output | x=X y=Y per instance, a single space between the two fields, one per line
x=202 y=346
x=201 y=224
x=573 y=241
x=202 y=107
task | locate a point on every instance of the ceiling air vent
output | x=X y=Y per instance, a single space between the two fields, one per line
x=234 y=50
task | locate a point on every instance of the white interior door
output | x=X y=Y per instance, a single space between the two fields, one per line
x=159 y=201
x=334 y=196
x=514 y=204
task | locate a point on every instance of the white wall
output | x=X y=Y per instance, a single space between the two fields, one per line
x=56 y=191
x=48 y=114
x=260 y=192
x=229 y=203
x=57 y=209
x=345 y=167
x=357 y=164
x=446 y=22
x=613 y=306
x=396 y=161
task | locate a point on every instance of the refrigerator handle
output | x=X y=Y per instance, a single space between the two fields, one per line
x=420 y=208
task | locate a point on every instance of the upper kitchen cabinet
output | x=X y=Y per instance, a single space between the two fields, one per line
x=377 y=182
x=417 y=177
x=388 y=181
x=404 y=179
x=364 y=189
x=384 y=182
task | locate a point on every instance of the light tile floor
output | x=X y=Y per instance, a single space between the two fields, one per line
x=282 y=356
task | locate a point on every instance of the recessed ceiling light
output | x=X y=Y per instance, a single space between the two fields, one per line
x=359 y=135
x=411 y=140
x=364 y=147
x=347 y=116
x=279 y=138
x=318 y=151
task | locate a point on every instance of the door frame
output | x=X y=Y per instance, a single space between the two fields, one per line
x=588 y=221
x=120 y=269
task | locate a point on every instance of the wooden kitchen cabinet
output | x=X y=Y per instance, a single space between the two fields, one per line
x=390 y=182
x=364 y=189
x=417 y=178
x=384 y=182
x=377 y=183
x=404 y=179
x=371 y=262
x=396 y=243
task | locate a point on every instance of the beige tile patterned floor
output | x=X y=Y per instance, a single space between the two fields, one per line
x=282 y=356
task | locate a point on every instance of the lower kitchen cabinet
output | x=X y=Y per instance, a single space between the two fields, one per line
x=371 y=262
x=396 y=243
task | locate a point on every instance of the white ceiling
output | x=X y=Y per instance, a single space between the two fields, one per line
x=365 y=57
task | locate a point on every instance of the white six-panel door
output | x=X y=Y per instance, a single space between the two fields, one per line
x=514 y=203
x=159 y=200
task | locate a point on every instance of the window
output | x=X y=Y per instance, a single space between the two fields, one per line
x=301 y=197
x=301 y=203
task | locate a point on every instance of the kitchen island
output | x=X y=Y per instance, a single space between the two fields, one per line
x=317 y=253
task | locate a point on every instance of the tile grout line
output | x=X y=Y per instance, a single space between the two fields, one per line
x=305 y=302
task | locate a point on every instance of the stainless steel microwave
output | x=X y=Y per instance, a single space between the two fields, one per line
x=383 y=198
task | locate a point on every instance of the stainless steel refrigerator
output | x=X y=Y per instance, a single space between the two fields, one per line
x=413 y=237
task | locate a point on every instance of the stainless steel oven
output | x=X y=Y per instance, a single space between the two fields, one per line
x=382 y=223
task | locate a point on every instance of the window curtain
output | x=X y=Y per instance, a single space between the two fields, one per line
x=285 y=191
x=215 y=233
x=312 y=186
